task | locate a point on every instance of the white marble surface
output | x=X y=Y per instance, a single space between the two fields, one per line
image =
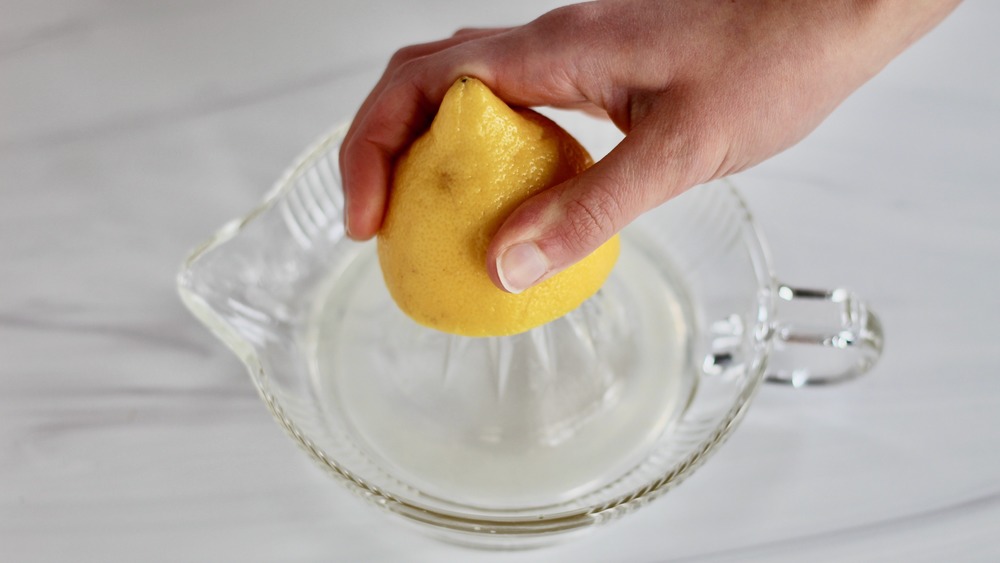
x=130 y=130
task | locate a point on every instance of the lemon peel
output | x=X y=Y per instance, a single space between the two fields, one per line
x=451 y=191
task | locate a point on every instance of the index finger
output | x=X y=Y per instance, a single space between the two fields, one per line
x=393 y=114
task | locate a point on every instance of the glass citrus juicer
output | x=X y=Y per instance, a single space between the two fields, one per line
x=516 y=441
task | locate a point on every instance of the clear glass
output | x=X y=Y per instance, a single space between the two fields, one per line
x=515 y=441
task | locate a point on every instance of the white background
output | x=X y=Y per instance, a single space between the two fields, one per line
x=130 y=130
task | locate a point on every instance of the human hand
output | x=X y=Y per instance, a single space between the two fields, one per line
x=702 y=89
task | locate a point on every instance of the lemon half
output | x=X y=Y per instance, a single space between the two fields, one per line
x=451 y=191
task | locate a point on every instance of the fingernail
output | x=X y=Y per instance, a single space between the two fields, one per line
x=521 y=266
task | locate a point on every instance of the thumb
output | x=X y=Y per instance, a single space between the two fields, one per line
x=564 y=224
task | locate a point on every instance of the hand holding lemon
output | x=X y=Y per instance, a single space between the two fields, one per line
x=452 y=190
x=702 y=89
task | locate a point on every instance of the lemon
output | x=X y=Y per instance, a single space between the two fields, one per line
x=451 y=191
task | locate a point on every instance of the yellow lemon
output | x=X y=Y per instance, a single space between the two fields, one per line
x=451 y=191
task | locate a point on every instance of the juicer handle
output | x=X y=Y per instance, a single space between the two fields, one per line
x=822 y=337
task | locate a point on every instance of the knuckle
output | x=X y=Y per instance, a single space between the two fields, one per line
x=562 y=31
x=575 y=17
x=591 y=220
x=405 y=55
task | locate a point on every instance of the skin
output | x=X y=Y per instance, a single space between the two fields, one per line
x=701 y=88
